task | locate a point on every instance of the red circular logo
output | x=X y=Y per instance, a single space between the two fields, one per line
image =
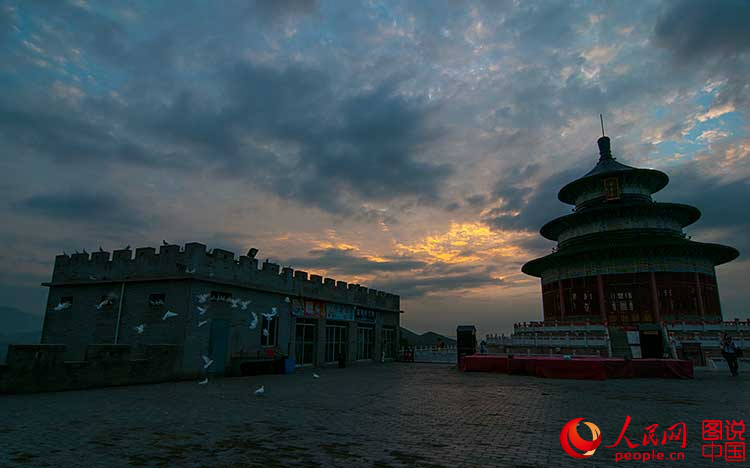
x=570 y=440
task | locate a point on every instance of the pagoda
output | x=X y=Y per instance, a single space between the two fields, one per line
x=622 y=259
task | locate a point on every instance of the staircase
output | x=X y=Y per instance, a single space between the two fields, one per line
x=619 y=342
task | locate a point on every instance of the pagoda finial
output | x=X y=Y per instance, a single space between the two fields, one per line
x=605 y=152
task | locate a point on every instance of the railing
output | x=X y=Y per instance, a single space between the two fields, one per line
x=583 y=341
x=733 y=326
x=529 y=327
x=445 y=354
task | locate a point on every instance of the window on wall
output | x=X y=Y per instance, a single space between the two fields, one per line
x=156 y=300
x=335 y=341
x=365 y=342
x=65 y=303
x=220 y=296
x=269 y=331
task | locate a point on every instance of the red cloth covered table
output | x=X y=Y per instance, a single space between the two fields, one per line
x=484 y=363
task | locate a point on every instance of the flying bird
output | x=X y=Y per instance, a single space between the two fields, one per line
x=315 y=376
x=287 y=300
x=234 y=301
x=103 y=304
x=202 y=310
x=203 y=382
x=92 y=277
x=164 y=242
x=244 y=304
x=254 y=323
x=139 y=328
x=190 y=271
x=201 y=323
x=202 y=298
x=270 y=315
x=260 y=390
x=169 y=314
x=265 y=332
x=207 y=361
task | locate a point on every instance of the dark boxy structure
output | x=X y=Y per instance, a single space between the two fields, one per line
x=622 y=259
x=209 y=303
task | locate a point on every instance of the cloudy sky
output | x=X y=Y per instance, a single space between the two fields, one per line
x=415 y=147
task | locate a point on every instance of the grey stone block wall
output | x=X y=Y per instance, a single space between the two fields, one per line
x=220 y=265
x=180 y=276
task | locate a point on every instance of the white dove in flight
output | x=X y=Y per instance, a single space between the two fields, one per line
x=102 y=304
x=202 y=310
x=287 y=300
x=202 y=298
x=203 y=382
x=190 y=271
x=254 y=323
x=62 y=306
x=202 y=322
x=315 y=376
x=270 y=315
x=265 y=332
x=207 y=361
x=139 y=328
x=234 y=301
x=169 y=314
x=244 y=304
x=260 y=390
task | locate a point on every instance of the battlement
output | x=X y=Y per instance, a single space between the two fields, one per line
x=194 y=260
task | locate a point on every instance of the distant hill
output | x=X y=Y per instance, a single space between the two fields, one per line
x=18 y=327
x=14 y=320
x=18 y=338
x=425 y=339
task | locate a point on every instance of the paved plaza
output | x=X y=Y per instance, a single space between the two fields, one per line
x=427 y=415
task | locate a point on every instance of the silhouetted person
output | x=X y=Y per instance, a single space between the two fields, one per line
x=731 y=352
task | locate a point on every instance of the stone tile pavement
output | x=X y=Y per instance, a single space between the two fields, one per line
x=425 y=415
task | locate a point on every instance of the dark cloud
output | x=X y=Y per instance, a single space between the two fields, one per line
x=700 y=33
x=528 y=208
x=346 y=261
x=725 y=211
x=79 y=207
x=414 y=286
x=695 y=30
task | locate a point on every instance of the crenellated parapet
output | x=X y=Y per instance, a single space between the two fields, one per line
x=195 y=261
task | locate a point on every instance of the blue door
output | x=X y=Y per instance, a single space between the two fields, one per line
x=218 y=345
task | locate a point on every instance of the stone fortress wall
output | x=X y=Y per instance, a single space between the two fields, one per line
x=218 y=265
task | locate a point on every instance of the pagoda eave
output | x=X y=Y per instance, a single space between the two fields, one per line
x=685 y=214
x=653 y=179
x=716 y=253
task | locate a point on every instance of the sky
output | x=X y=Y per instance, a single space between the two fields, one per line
x=414 y=147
